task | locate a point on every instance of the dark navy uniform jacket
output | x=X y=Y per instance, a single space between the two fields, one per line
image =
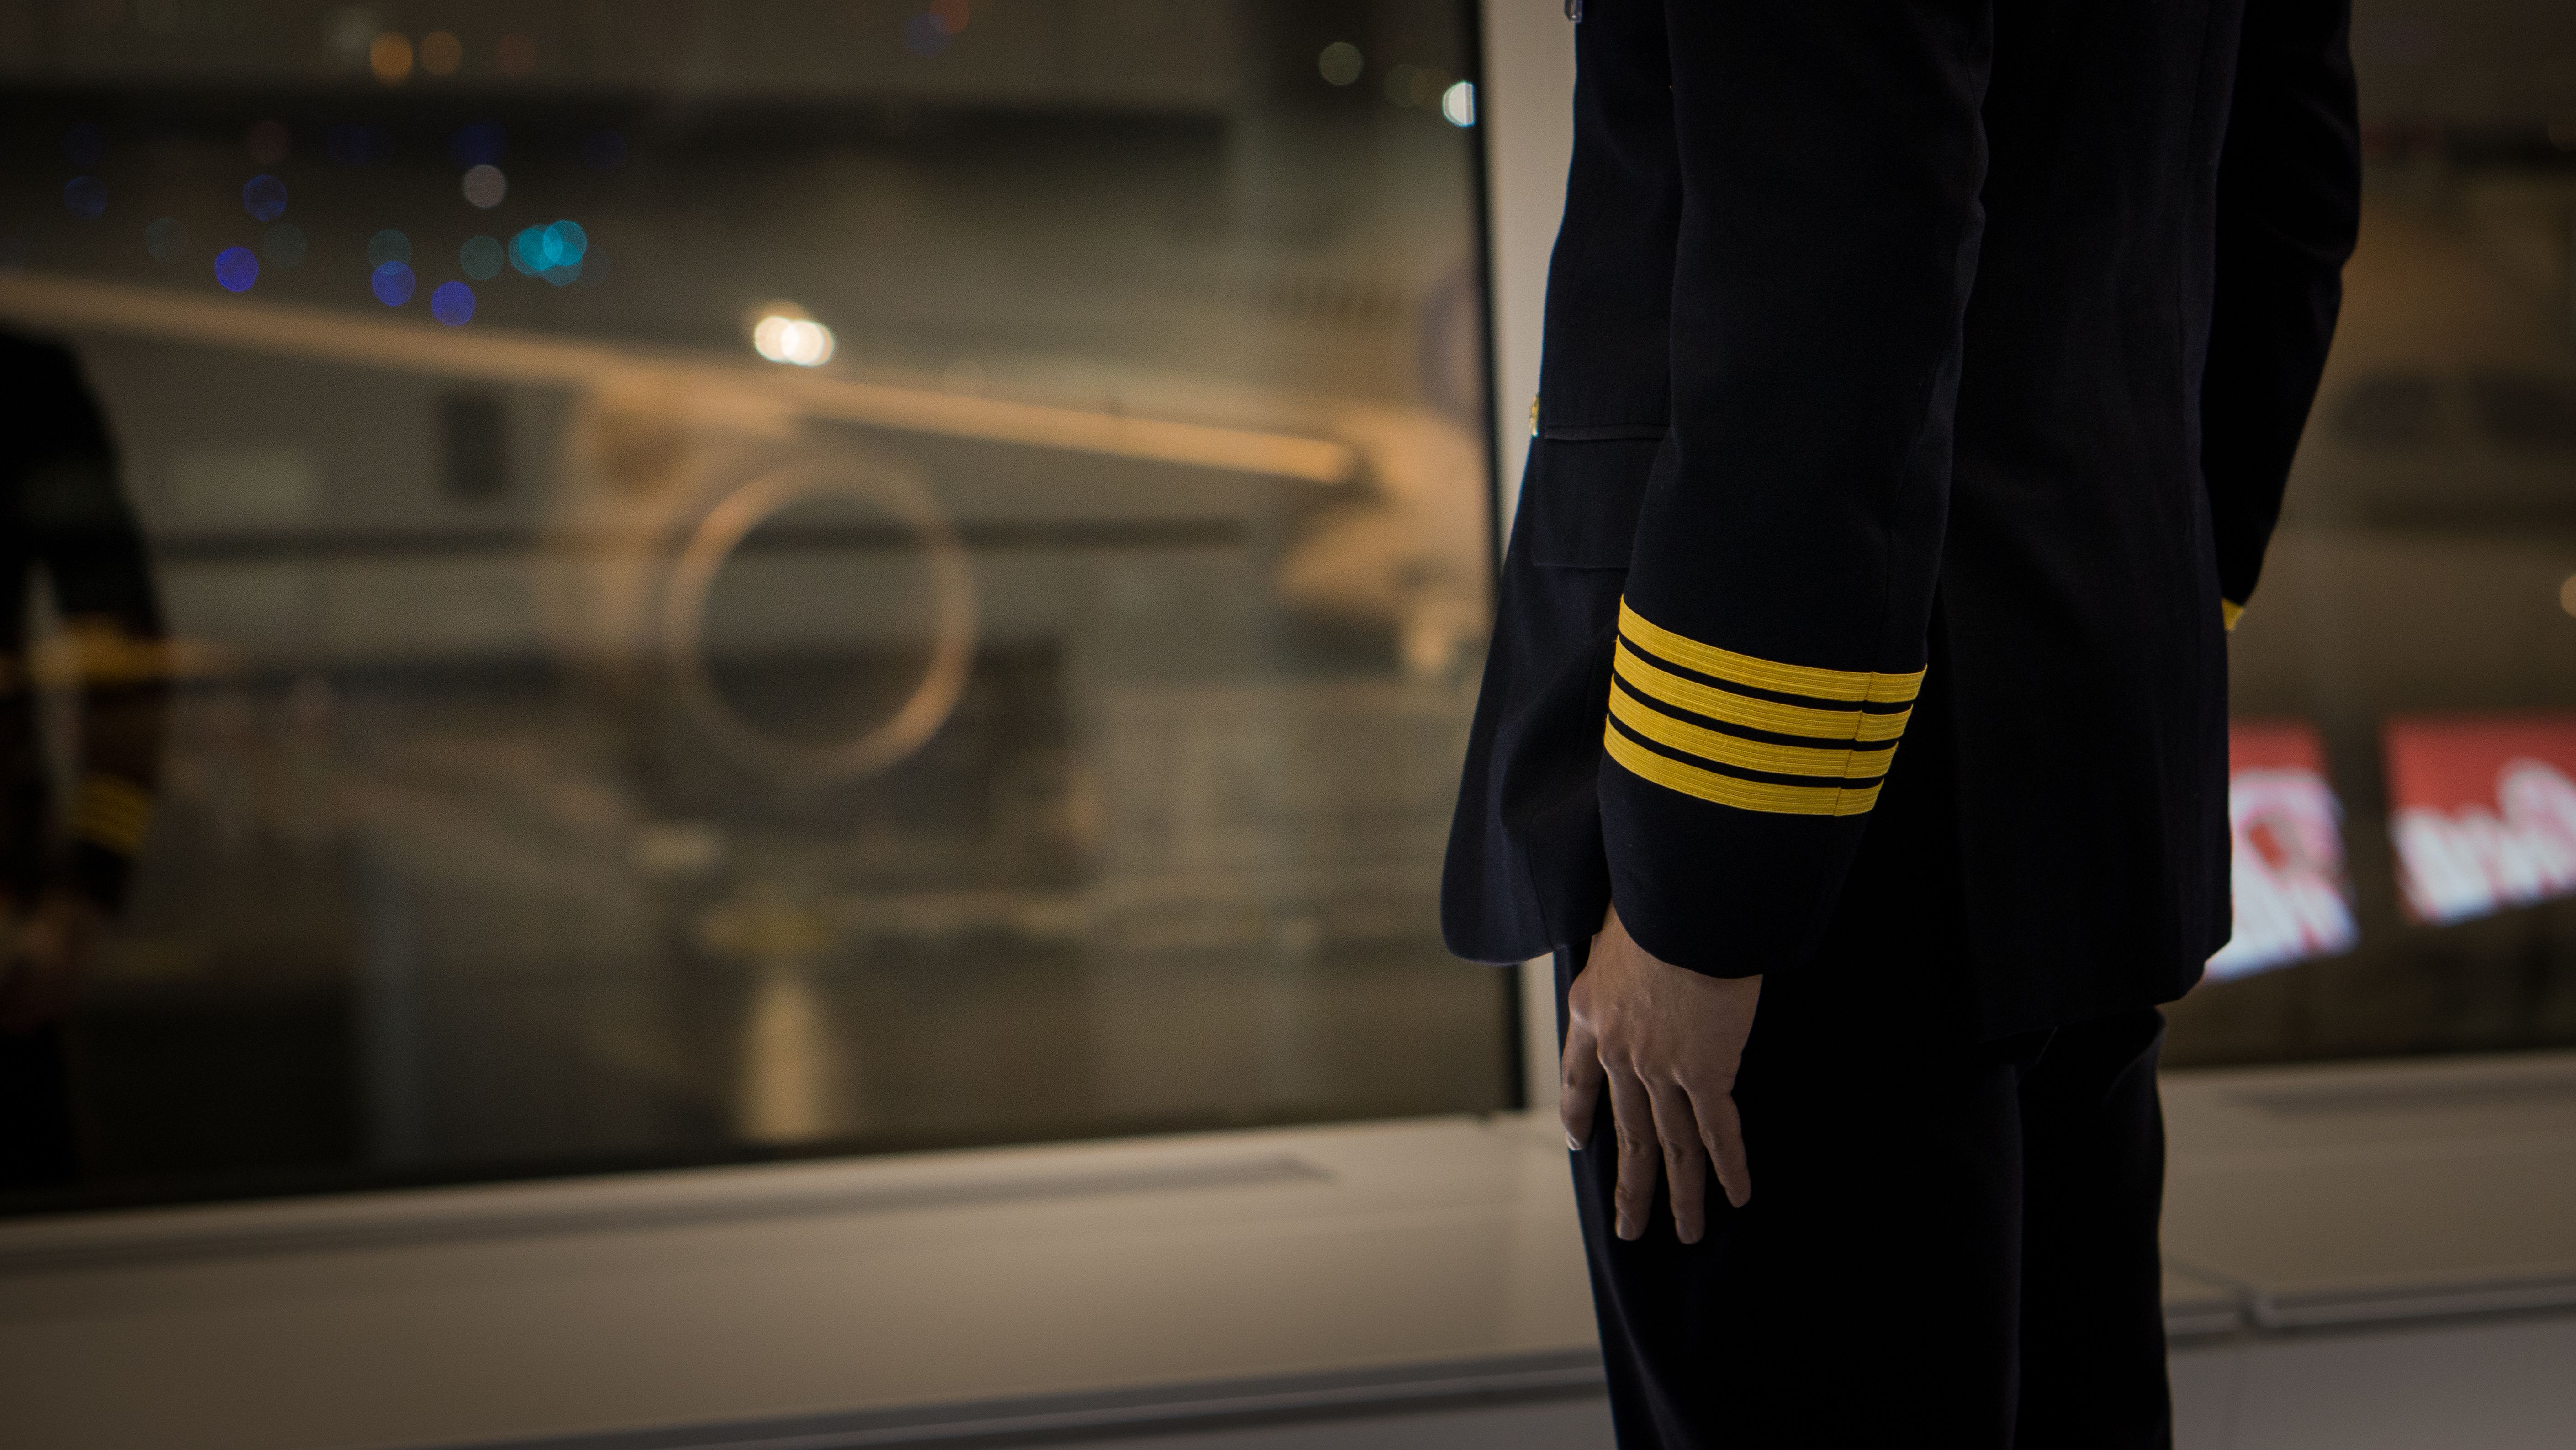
x=1921 y=378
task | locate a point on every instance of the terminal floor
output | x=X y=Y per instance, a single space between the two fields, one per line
x=2363 y=1257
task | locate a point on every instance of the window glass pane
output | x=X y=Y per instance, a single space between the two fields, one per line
x=684 y=581
x=2405 y=677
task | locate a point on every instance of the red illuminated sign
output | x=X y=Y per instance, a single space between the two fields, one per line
x=2292 y=901
x=2484 y=811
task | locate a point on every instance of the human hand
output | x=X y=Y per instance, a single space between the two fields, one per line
x=1666 y=1042
x=48 y=948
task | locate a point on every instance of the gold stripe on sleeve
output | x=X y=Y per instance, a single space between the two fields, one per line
x=1756 y=714
x=2229 y=611
x=1728 y=790
x=1762 y=674
x=1745 y=754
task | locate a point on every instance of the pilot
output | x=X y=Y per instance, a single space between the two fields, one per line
x=64 y=863
x=1920 y=382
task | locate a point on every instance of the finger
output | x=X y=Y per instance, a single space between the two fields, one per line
x=1721 y=1130
x=1641 y=1153
x=1685 y=1160
x=1578 y=1084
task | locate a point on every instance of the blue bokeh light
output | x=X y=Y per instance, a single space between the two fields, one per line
x=480 y=144
x=552 y=252
x=480 y=258
x=452 y=303
x=392 y=284
x=388 y=245
x=85 y=197
x=264 y=197
x=924 y=36
x=236 y=269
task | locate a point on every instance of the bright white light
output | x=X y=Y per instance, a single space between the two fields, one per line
x=786 y=335
x=1458 y=104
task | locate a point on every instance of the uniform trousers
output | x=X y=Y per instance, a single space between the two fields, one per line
x=1947 y=1243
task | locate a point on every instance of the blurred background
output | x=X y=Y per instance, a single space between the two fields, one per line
x=732 y=581
x=742 y=580
x=2412 y=646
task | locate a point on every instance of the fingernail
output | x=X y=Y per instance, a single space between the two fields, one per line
x=1573 y=1144
x=1627 y=1230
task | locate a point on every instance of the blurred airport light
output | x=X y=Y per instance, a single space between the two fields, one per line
x=1341 y=63
x=164 y=239
x=785 y=333
x=452 y=303
x=85 y=197
x=264 y=197
x=1458 y=104
x=485 y=186
x=2567 y=594
x=515 y=55
x=388 y=245
x=441 y=53
x=236 y=269
x=389 y=56
x=392 y=284
x=552 y=252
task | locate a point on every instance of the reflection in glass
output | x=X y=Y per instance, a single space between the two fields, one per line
x=1028 y=707
x=2286 y=828
x=2411 y=605
x=84 y=674
x=2485 y=812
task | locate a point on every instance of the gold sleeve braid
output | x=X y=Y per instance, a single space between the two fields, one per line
x=1846 y=744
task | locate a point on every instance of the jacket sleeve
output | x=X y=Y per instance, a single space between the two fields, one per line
x=1772 y=638
x=2289 y=206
